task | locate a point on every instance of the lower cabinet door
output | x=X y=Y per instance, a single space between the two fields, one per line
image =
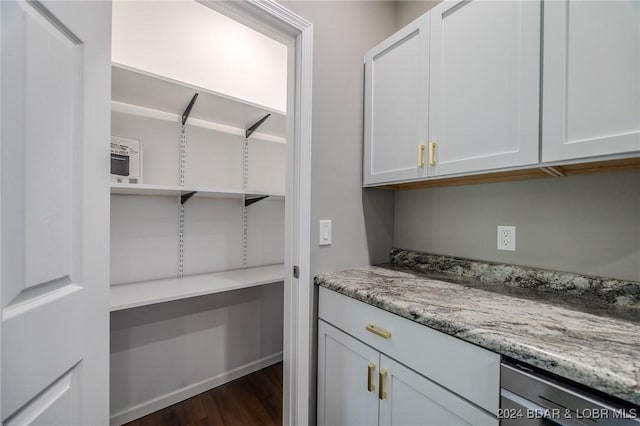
x=409 y=399
x=347 y=379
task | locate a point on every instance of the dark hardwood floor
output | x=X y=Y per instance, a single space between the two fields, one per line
x=255 y=399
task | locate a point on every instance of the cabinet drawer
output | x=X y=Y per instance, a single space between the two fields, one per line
x=466 y=369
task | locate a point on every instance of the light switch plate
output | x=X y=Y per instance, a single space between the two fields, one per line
x=325 y=233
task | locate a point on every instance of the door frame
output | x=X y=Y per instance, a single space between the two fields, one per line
x=1 y=417
x=280 y=24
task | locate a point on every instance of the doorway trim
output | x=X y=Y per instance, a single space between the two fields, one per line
x=279 y=23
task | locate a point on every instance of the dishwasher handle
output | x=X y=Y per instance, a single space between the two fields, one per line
x=518 y=411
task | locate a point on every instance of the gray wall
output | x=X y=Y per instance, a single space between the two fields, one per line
x=362 y=220
x=584 y=224
x=407 y=11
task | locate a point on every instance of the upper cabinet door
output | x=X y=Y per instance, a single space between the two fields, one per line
x=485 y=85
x=591 y=86
x=396 y=106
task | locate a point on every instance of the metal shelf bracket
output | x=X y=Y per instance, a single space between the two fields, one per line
x=255 y=126
x=185 y=196
x=253 y=200
x=185 y=114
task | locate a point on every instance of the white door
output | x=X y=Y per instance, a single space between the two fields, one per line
x=411 y=400
x=591 y=84
x=485 y=85
x=396 y=105
x=347 y=380
x=55 y=90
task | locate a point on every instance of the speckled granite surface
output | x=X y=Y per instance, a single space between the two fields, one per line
x=608 y=290
x=596 y=351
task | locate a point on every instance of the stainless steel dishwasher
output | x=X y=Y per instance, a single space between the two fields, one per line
x=529 y=398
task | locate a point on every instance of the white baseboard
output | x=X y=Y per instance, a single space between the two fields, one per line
x=194 y=389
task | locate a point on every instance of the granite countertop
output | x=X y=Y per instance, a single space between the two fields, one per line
x=602 y=352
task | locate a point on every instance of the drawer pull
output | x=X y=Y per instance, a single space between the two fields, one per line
x=370 y=369
x=421 y=155
x=432 y=153
x=384 y=334
x=382 y=394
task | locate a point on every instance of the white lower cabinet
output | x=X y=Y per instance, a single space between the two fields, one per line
x=432 y=380
x=343 y=365
x=412 y=399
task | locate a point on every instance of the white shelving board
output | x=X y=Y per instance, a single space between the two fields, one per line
x=173 y=190
x=125 y=296
x=147 y=90
x=170 y=190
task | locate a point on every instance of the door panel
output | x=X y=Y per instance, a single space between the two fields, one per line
x=54 y=226
x=591 y=79
x=50 y=135
x=412 y=400
x=40 y=342
x=396 y=108
x=343 y=395
x=484 y=91
x=57 y=405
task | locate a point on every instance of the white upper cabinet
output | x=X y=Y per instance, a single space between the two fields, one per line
x=396 y=105
x=477 y=85
x=591 y=79
x=484 y=85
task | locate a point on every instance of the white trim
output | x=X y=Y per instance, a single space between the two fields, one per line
x=1 y=416
x=302 y=343
x=140 y=111
x=274 y=20
x=192 y=390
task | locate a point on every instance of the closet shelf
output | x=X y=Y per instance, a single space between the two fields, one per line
x=125 y=296
x=143 y=89
x=175 y=190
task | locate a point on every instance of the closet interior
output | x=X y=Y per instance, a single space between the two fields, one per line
x=197 y=238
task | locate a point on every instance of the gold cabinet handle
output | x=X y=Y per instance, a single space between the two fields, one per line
x=370 y=369
x=373 y=329
x=421 y=155
x=382 y=394
x=432 y=153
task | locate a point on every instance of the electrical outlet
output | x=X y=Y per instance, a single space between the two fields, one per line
x=507 y=238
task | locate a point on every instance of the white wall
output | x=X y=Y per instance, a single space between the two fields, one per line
x=163 y=353
x=189 y=42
